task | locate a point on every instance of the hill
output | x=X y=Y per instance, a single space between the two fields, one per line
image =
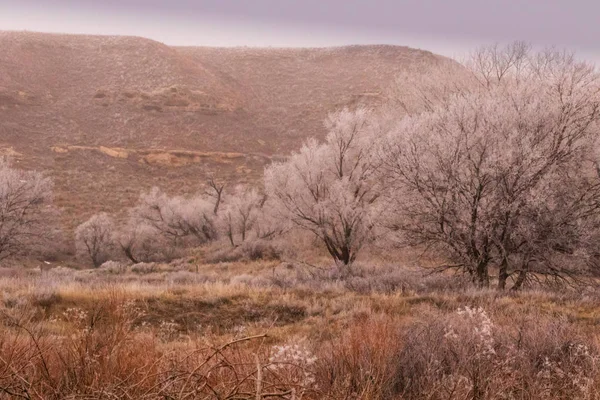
x=108 y=117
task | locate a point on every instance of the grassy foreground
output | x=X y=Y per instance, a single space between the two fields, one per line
x=269 y=330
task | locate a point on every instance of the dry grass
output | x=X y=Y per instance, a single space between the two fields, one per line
x=156 y=331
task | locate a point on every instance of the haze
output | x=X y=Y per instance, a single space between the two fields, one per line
x=448 y=28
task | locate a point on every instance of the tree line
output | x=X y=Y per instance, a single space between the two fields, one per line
x=496 y=171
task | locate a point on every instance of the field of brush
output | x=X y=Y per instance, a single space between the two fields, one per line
x=273 y=330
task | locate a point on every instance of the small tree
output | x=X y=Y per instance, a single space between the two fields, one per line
x=215 y=190
x=141 y=243
x=94 y=238
x=241 y=213
x=24 y=204
x=331 y=189
x=268 y=225
x=177 y=218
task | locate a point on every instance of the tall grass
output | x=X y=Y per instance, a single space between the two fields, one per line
x=166 y=336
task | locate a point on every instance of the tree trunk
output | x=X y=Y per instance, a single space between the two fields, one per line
x=129 y=254
x=503 y=274
x=345 y=255
x=483 y=278
x=520 y=280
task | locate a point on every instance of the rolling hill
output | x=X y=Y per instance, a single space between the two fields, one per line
x=108 y=117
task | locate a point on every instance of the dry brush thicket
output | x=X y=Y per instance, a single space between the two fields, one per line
x=132 y=334
x=225 y=294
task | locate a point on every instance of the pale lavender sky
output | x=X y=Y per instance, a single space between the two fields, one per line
x=449 y=27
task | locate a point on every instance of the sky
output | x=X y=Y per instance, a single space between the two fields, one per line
x=448 y=27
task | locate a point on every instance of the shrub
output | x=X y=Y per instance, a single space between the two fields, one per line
x=94 y=238
x=466 y=355
x=247 y=251
x=113 y=267
x=24 y=210
x=144 y=268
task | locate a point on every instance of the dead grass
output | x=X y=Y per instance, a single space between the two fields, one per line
x=146 y=334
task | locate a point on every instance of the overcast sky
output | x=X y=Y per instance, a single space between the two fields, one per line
x=449 y=27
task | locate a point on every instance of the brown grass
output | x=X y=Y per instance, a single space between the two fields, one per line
x=157 y=333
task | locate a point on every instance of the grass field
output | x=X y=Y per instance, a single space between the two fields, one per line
x=266 y=329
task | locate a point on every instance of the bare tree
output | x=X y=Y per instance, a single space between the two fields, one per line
x=141 y=243
x=216 y=191
x=331 y=189
x=267 y=225
x=248 y=215
x=177 y=218
x=490 y=65
x=24 y=202
x=499 y=175
x=94 y=238
x=242 y=213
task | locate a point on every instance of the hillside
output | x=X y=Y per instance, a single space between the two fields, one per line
x=108 y=116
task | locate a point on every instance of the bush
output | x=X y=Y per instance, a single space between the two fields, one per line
x=466 y=355
x=144 y=268
x=113 y=267
x=247 y=251
x=186 y=278
x=24 y=211
x=94 y=238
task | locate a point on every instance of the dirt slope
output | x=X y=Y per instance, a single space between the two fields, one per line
x=108 y=117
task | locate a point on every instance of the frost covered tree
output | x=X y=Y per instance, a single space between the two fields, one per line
x=498 y=174
x=268 y=225
x=94 y=238
x=241 y=213
x=177 y=218
x=142 y=243
x=332 y=189
x=247 y=214
x=24 y=201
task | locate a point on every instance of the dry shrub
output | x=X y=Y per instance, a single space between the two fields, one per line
x=250 y=280
x=366 y=278
x=144 y=268
x=362 y=363
x=60 y=271
x=247 y=251
x=182 y=277
x=462 y=355
x=102 y=354
x=548 y=358
x=466 y=354
x=44 y=296
x=448 y=357
x=487 y=351
x=113 y=267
